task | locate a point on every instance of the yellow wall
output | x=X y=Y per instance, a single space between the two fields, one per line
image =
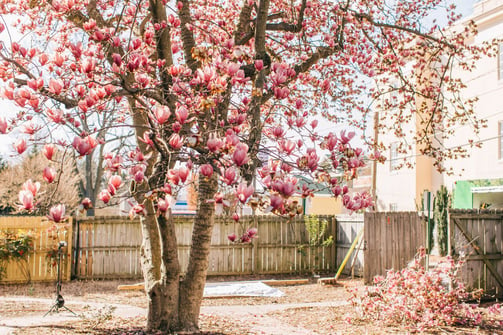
x=324 y=206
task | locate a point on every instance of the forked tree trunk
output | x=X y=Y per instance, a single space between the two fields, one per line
x=174 y=305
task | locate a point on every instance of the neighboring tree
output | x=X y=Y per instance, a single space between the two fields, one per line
x=57 y=183
x=440 y=216
x=210 y=87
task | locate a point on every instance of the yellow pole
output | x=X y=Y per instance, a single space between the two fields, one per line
x=360 y=233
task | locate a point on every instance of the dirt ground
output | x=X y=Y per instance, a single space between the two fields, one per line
x=102 y=309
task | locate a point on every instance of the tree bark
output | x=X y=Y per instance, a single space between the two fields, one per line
x=192 y=287
x=151 y=265
x=170 y=273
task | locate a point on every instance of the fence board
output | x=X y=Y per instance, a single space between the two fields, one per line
x=392 y=240
x=477 y=236
x=45 y=238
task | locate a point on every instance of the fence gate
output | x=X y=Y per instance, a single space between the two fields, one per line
x=477 y=235
x=391 y=241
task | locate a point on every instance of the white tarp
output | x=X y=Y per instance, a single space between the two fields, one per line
x=241 y=289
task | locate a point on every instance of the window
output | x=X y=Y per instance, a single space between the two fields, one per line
x=394 y=163
x=500 y=61
x=500 y=140
x=393 y=207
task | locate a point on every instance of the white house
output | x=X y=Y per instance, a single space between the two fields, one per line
x=477 y=179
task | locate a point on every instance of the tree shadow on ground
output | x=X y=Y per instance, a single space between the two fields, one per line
x=69 y=329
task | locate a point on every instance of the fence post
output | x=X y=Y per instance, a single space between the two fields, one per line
x=334 y=245
x=76 y=247
x=255 y=243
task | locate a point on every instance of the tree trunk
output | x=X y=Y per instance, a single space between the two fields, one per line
x=151 y=265
x=192 y=287
x=174 y=305
x=170 y=273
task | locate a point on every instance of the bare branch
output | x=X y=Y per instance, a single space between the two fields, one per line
x=368 y=18
x=284 y=26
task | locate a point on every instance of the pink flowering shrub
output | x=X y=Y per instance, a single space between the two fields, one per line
x=418 y=299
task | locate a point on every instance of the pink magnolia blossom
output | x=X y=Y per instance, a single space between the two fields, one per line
x=278 y=132
x=232 y=237
x=174 y=177
x=31 y=186
x=206 y=170
x=240 y=156
x=36 y=84
x=86 y=203
x=175 y=141
x=232 y=69
x=163 y=204
x=183 y=172
x=259 y=64
x=229 y=176
x=49 y=174
x=162 y=114
x=88 y=65
x=181 y=114
x=56 y=115
x=245 y=238
x=55 y=86
x=276 y=201
x=115 y=181
x=84 y=146
x=286 y=146
x=57 y=213
x=214 y=144
x=26 y=200
x=20 y=146
x=139 y=176
x=286 y=188
x=113 y=164
x=346 y=138
x=219 y=198
x=3 y=125
x=30 y=128
x=104 y=196
x=243 y=192
x=111 y=189
x=281 y=92
x=137 y=210
x=337 y=190
x=252 y=232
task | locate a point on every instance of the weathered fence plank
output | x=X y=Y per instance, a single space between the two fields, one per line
x=392 y=240
x=477 y=236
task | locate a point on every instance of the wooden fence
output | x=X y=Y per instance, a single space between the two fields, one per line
x=477 y=235
x=392 y=240
x=109 y=247
x=46 y=236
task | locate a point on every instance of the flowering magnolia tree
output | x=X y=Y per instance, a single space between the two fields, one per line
x=209 y=88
